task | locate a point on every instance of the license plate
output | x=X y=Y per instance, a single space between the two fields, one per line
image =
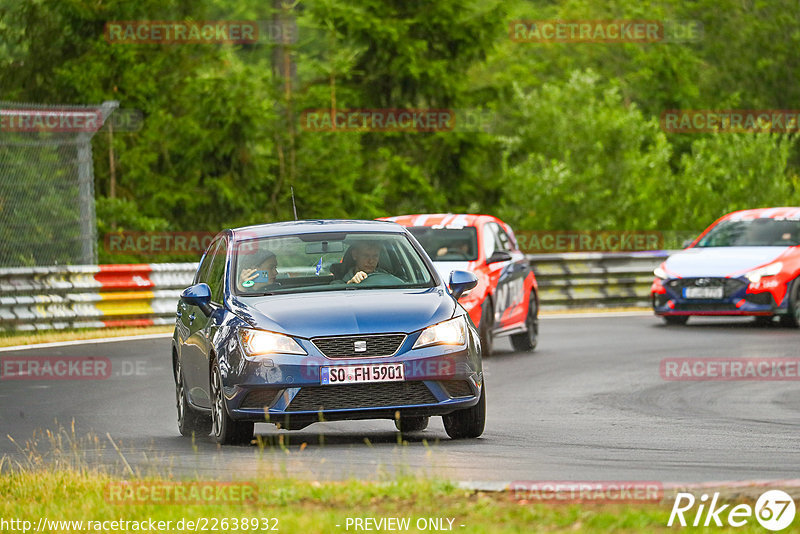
x=361 y=374
x=703 y=292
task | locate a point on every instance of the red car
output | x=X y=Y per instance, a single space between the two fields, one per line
x=505 y=301
x=746 y=263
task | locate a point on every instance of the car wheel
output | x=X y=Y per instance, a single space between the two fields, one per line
x=526 y=341
x=792 y=318
x=469 y=422
x=675 y=319
x=411 y=424
x=225 y=430
x=487 y=322
x=190 y=421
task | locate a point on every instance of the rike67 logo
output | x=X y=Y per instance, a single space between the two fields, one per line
x=774 y=510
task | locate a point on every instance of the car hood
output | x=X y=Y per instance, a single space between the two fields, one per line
x=720 y=261
x=362 y=311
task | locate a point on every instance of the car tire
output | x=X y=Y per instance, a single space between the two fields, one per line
x=225 y=430
x=190 y=421
x=792 y=318
x=676 y=319
x=411 y=424
x=526 y=341
x=469 y=422
x=485 y=328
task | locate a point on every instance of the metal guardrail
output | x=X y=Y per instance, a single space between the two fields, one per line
x=602 y=280
x=91 y=296
x=99 y=296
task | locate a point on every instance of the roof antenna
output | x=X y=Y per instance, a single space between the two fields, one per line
x=294 y=208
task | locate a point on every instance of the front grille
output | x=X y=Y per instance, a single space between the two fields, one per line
x=345 y=346
x=259 y=398
x=705 y=306
x=457 y=388
x=731 y=285
x=355 y=396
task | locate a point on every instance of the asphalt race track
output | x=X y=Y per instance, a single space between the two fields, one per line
x=589 y=404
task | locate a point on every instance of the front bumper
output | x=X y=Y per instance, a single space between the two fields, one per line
x=287 y=389
x=668 y=297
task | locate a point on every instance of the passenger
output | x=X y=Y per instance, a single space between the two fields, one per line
x=268 y=264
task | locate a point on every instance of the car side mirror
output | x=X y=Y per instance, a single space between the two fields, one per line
x=198 y=295
x=498 y=256
x=687 y=242
x=462 y=281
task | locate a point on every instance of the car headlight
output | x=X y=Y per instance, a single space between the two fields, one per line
x=450 y=332
x=660 y=273
x=768 y=270
x=260 y=342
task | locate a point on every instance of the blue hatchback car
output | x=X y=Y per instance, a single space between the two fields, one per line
x=297 y=322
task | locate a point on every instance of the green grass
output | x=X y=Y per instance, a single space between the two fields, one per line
x=308 y=506
x=56 y=475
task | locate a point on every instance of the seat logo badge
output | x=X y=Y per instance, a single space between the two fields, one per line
x=703 y=282
x=360 y=346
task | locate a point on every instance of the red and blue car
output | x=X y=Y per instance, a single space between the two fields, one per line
x=746 y=263
x=505 y=301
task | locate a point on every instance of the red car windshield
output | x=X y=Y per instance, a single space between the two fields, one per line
x=761 y=232
x=448 y=244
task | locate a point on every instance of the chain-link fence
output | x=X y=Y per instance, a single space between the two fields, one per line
x=47 y=212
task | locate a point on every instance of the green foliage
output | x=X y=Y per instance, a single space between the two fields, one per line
x=578 y=158
x=724 y=173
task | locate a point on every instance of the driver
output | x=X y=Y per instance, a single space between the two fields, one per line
x=461 y=248
x=366 y=255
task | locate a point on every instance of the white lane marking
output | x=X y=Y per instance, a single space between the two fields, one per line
x=83 y=341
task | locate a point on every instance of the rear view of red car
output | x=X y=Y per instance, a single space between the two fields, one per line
x=505 y=301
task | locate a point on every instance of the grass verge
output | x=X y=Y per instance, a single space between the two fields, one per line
x=303 y=506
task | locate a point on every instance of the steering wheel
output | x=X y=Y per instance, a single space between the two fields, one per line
x=380 y=279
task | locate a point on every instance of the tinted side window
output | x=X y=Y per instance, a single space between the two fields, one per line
x=491 y=242
x=216 y=276
x=205 y=265
x=505 y=241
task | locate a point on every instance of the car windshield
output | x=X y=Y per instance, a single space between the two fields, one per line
x=761 y=232
x=448 y=244
x=328 y=262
